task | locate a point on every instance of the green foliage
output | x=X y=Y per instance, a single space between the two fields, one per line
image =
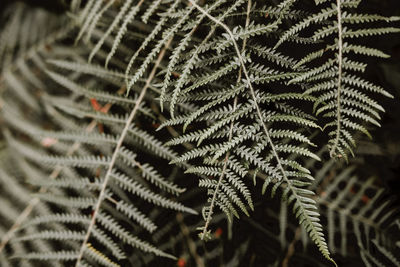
x=157 y=100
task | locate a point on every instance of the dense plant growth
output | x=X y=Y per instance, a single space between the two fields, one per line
x=198 y=133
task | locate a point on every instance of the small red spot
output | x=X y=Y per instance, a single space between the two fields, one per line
x=266 y=15
x=92 y=213
x=323 y=194
x=101 y=128
x=176 y=75
x=155 y=125
x=218 y=232
x=365 y=199
x=96 y=106
x=104 y=109
x=352 y=190
x=181 y=262
x=98 y=172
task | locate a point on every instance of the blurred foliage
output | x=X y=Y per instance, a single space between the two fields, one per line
x=379 y=158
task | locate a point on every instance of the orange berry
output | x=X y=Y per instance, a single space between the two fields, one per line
x=218 y=232
x=181 y=262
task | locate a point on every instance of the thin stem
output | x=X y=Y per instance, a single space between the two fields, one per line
x=116 y=151
x=339 y=78
x=291 y=249
x=252 y=92
x=221 y=177
x=191 y=244
x=259 y=114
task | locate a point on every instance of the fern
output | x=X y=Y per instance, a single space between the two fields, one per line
x=358 y=202
x=164 y=110
x=222 y=196
x=340 y=100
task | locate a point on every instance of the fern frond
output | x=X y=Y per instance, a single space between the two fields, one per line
x=278 y=172
x=330 y=81
x=215 y=90
x=50 y=255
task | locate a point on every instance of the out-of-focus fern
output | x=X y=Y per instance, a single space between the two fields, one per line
x=110 y=113
x=356 y=210
x=101 y=181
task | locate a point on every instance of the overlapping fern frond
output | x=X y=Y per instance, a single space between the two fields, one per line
x=246 y=127
x=334 y=75
x=106 y=115
x=356 y=210
x=91 y=175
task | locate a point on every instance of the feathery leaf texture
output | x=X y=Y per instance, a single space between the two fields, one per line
x=108 y=132
x=342 y=92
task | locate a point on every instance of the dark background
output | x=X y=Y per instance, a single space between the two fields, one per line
x=382 y=154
